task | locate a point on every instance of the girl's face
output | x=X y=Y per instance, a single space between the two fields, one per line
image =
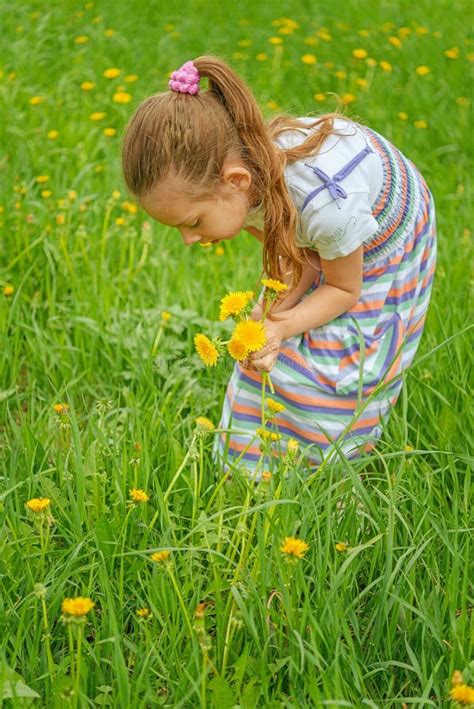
x=207 y=221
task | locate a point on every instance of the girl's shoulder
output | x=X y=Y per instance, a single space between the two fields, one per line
x=335 y=152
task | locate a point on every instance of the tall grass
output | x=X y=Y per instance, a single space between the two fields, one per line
x=231 y=621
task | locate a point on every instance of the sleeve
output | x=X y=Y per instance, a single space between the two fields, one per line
x=335 y=232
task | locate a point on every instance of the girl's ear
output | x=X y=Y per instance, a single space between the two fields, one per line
x=238 y=177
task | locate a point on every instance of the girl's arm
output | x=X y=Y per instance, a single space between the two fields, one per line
x=340 y=292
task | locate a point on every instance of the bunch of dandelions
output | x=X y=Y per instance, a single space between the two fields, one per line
x=248 y=335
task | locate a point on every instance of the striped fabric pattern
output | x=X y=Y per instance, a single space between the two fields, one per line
x=336 y=380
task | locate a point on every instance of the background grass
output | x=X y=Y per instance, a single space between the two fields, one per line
x=383 y=624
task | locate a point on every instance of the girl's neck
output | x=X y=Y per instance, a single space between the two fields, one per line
x=257 y=233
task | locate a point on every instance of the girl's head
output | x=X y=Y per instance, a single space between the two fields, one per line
x=199 y=161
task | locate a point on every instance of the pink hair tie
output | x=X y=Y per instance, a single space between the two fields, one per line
x=185 y=79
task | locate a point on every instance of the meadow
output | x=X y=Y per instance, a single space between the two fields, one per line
x=188 y=598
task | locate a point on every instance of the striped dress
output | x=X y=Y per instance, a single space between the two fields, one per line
x=339 y=382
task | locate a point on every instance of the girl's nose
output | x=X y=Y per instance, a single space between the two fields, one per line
x=190 y=238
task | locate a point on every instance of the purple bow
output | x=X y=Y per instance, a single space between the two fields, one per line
x=335 y=190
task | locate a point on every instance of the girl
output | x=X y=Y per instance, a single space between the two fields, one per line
x=344 y=219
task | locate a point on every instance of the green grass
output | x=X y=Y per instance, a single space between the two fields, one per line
x=381 y=625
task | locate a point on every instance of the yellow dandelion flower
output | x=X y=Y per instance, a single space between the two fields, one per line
x=8 y=291
x=97 y=116
x=38 y=504
x=359 y=53
x=237 y=349
x=234 y=303
x=272 y=105
x=72 y=195
x=116 y=194
x=422 y=70
x=319 y=97
x=347 y=98
x=408 y=448
x=120 y=221
x=404 y=32
x=121 y=97
x=341 y=546
x=205 y=424
x=206 y=349
x=384 y=65
x=81 y=39
x=111 y=73
x=52 y=134
x=395 y=41
x=46 y=193
x=160 y=556
x=144 y=613
x=261 y=57
x=139 y=495
x=275 y=40
x=41 y=179
x=166 y=316
x=362 y=83
x=370 y=61
x=251 y=333
x=274 y=284
x=324 y=35
x=420 y=124
x=61 y=408
x=403 y=116
x=87 y=85
x=77 y=607
x=294 y=547
x=308 y=59
x=340 y=74
x=130 y=78
x=267 y=435
x=266 y=476
x=463 y=694
x=457 y=677
x=275 y=407
x=421 y=30
x=219 y=251
x=109 y=32
x=292 y=446
x=452 y=53
x=129 y=207
x=36 y=100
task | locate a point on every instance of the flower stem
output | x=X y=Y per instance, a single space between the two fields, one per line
x=47 y=638
x=78 y=661
x=180 y=599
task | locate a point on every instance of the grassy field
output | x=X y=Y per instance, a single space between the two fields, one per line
x=99 y=393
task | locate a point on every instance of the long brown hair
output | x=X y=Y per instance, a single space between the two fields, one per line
x=190 y=136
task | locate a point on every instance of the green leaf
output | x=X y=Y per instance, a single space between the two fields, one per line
x=222 y=694
x=12 y=685
x=250 y=694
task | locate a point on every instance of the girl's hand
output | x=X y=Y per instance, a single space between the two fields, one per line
x=264 y=360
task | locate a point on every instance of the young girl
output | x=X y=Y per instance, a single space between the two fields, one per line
x=344 y=219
